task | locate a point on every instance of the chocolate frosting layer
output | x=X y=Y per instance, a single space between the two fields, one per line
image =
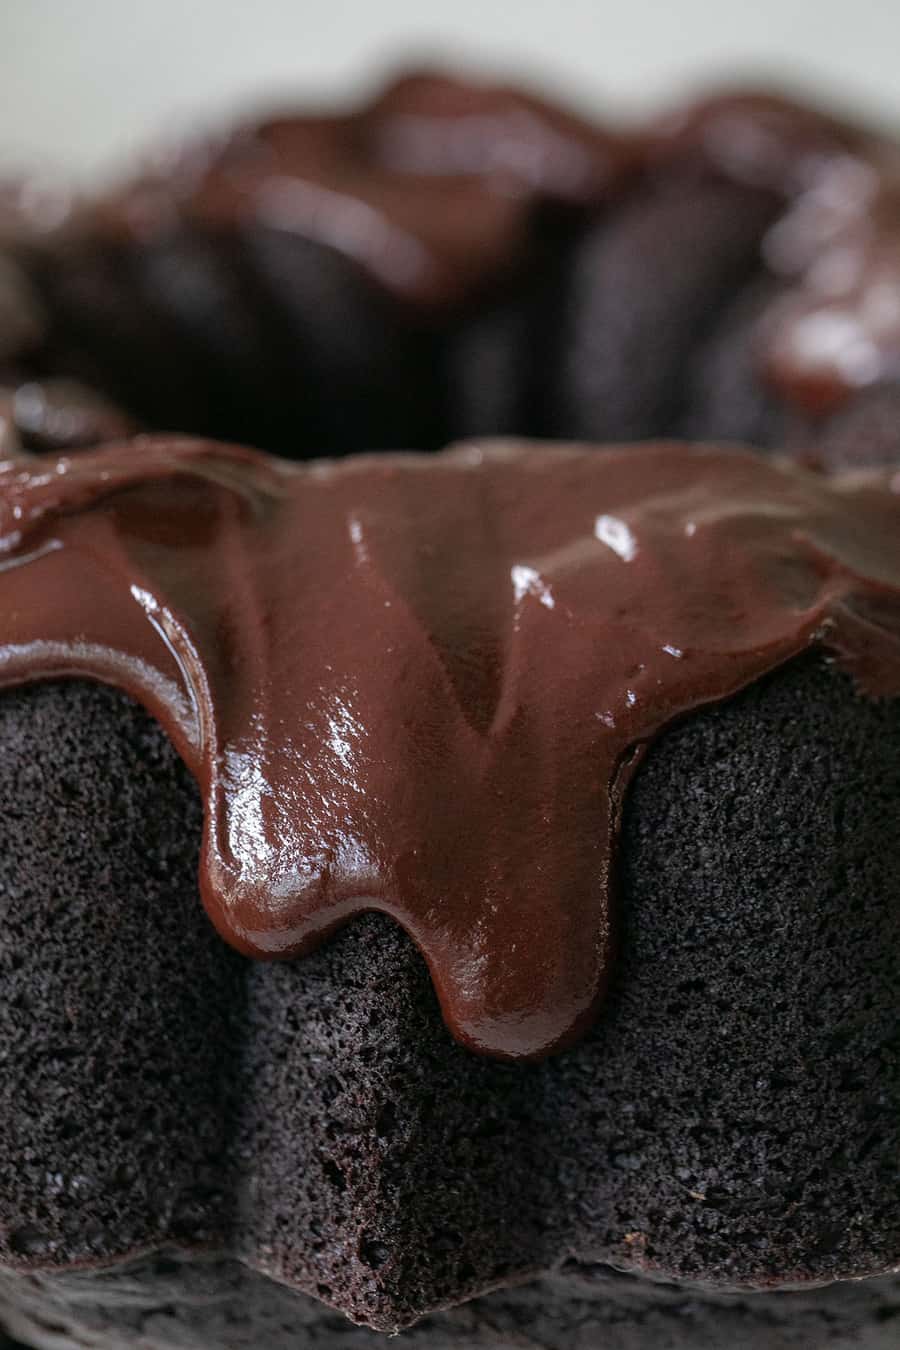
x=437 y=189
x=421 y=685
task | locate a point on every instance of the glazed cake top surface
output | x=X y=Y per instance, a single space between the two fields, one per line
x=421 y=684
x=433 y=188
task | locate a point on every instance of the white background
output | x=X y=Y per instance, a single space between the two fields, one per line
x=84 y=82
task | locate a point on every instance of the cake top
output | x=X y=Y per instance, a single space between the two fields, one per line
x=439 y=188
x=430 y=188
x=421 y=684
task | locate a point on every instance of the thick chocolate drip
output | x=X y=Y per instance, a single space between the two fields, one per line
x=435 y=189
x=421 y=685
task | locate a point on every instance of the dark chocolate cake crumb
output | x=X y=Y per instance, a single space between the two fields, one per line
x=732 y=1123
x=645 y=289
x=117 y=1043
x=726 y=399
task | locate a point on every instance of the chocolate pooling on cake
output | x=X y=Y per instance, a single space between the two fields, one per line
x=421 y=686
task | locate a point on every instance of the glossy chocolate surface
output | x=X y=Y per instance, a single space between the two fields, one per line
x=421 y=684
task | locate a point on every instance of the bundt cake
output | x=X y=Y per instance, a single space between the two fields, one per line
x=569 y=776
x=419 y=686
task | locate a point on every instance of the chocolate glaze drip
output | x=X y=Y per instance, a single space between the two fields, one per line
x=421 y=685
x=435 y=188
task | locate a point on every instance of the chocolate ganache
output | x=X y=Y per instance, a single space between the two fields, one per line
x=421 y=685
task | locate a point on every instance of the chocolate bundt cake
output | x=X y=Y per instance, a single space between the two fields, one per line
x=419 y=687
x=570 y=776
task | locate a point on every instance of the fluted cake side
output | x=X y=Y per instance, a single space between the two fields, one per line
x=733 y=1123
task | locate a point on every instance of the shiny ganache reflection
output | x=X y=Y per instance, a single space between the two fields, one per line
x=421 y=684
